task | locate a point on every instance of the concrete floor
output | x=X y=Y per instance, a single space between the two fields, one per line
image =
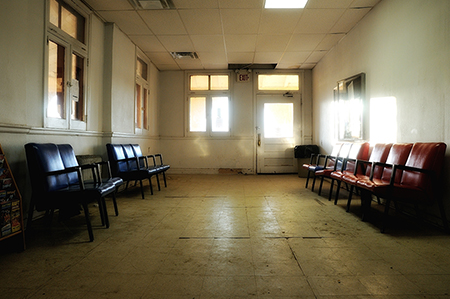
x=230 y=236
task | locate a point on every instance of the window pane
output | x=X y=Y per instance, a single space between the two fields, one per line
x=278 y=82
x=219 y=114
x=199 y=82
x=197 y=114
x=77 y=87
x=54 y=13
x=56 y=81
x=141 y=69
x=145 y=109
x=219 y=82
x=138 y=106
x=278 y=120
x=72 y=23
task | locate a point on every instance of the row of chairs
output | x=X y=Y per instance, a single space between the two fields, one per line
x=400 y=172
x=58 y=182
x=128 y=163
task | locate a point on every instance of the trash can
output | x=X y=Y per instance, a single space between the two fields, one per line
x=303 y=154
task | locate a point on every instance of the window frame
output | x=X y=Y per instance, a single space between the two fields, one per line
x=145 y=85
x=72 y=46
x=208 y=94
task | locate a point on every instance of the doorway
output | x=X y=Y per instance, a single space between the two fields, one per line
x=278 y=130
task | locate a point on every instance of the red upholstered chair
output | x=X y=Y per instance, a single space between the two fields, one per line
x=359 y=151
x=316 y=164
x=363 y=168
x=417 y=181
x=332 y=163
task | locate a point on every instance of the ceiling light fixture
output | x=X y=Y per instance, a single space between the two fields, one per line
x=285 y=3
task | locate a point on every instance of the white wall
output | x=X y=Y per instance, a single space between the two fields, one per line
x=404 y=49
x=188 y=154
x=22 y=48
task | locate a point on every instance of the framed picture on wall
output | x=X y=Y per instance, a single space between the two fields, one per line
x=349 y=97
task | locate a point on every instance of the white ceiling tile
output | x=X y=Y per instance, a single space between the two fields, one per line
x=315 y=56
x=109 y=4
x=328 y=3
x=163 y=21
x=330 y=41
x=240 y=57
x=349 y=19
x=212 y=57
x=364 y=3
x=147 y=43
x=128 y=21
x=307 y=66
x=183 y=4
x=241 y=3
x=208 y=43
x=304 y=42
x=240 y=43
x=286 y=66
x=279 y=21
x=176 y=43
x=202 y=21
x=297 y=57
x=215 y=66
x=272 y=43
x=267 y=57
x=318 y=20
x=168 y=67
x=240 y=21
x=160 y=58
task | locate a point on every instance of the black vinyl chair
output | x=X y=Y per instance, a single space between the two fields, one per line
x=55 y=186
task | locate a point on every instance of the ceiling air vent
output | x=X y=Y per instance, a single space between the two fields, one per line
x=184 y=55
x=152 y=4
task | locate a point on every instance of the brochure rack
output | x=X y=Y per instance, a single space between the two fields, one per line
x=11 y=215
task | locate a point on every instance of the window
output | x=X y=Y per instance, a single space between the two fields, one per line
x=209 y=104
x=278 y=82
x=66 y=67
x=142 y=96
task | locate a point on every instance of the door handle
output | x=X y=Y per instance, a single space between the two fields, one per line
x=259 y=139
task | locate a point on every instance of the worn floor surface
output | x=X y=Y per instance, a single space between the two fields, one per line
x=230 y=236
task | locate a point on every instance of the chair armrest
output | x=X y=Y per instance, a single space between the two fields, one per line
x=395 y=167
x=160 y=158
x=153 y=159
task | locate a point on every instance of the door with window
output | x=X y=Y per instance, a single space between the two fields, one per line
x=278 y=128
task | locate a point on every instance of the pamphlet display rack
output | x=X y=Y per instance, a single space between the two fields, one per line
x=11 y=215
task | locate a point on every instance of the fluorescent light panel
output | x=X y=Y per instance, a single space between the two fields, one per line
x=285 y=3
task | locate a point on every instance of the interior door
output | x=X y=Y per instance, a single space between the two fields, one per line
x=278 y=131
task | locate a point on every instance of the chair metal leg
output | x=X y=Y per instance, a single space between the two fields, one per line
x=150 y=183
x=157 y=181
x=307 y=179
x=331 y=191
x=164 y=177
x=105 y=212
x=116 y=210
x=88 y=222
x=142 y=188
x=321 y=183
x=349 y=198
x=314 y=183
x=338 y=188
